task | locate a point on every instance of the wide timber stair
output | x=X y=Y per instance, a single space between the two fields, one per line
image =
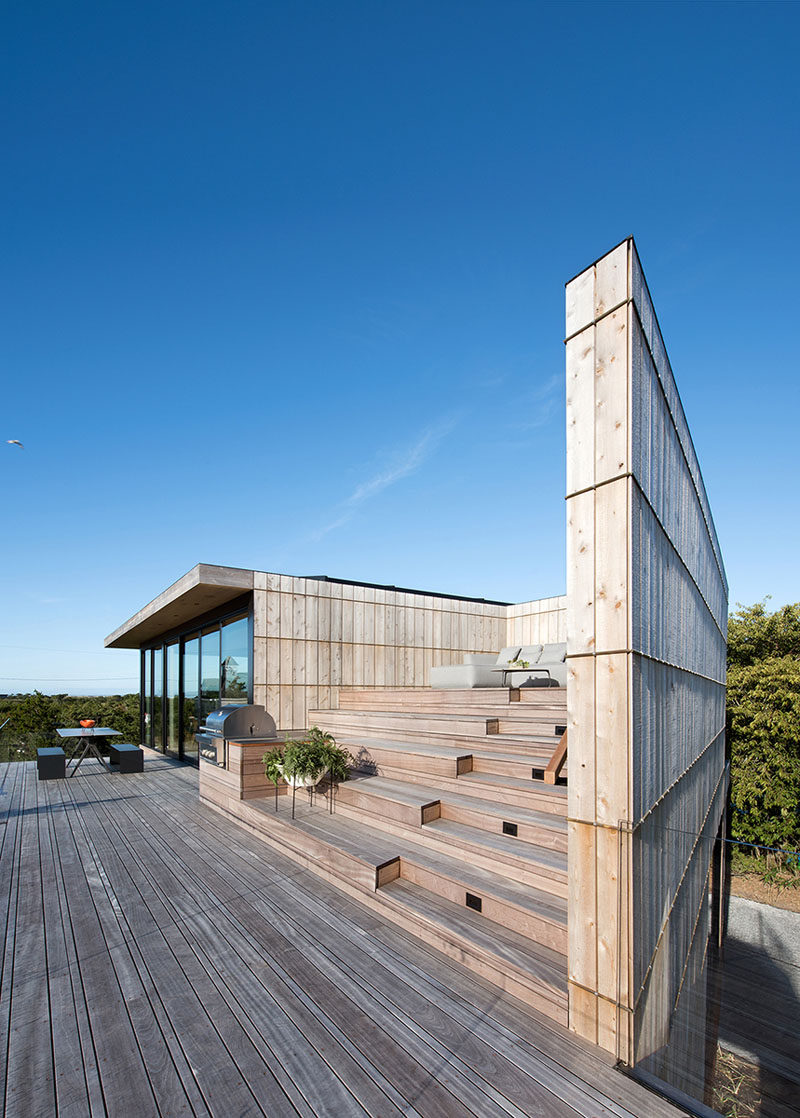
x=446 y=826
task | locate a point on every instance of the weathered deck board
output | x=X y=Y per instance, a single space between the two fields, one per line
x=30 y=1087
x=160 y=960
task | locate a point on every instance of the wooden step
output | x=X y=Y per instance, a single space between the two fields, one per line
x=512 y=716
x=365 y=866
x=529 y=971
x=541 y=696
x=387 y=722
x=377 y=755
x=385 y=757
x=553 y=725
x=363 y=860
x=503 y=858
x=507 y=790
x=402 y=729
x=391 y=806
x=540 y=744
x=512 y=857
x=425 y=698
x=401 y=698
x=334 y=842
x=394 y=800
x=534 y=746
x=535 y=913
x=542 y=828
x=532 y=794
x=519 y=765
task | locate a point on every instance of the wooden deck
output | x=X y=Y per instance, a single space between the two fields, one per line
x=160 y=960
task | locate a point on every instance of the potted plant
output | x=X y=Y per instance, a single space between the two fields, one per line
x=519 y=664
x=303 y=762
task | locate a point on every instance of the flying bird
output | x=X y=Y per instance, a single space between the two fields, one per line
x=16 y=442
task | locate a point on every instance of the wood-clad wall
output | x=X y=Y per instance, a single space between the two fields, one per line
x=646 y=623
x=312 y=637
x=540 y=622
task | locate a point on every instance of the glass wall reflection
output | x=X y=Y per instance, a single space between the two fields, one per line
x=148 y=697
x=235 y=667
x=191 y=697
x=209 y=672
x=193 y=675
x=158 y=692
x=172 y=696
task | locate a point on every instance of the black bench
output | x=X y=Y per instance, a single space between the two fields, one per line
x=51 y=763
x=126 y=758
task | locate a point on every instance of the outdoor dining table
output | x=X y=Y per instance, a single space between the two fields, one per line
x=91 y=736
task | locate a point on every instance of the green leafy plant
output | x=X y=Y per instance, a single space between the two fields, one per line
x=307 y=760
x=31 y=719
x=756 y=634
x=519 y=663
x=764 y=726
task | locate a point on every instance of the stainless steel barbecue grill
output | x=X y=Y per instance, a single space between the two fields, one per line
x=233 y=723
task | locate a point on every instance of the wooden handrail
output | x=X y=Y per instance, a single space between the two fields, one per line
x=553 y=770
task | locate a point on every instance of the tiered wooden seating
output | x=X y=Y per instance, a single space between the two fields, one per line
x=444 y=829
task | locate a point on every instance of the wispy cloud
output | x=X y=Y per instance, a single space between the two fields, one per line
x=540 y=405
x=406 y=462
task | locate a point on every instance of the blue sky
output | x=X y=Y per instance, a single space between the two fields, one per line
x=283 y=288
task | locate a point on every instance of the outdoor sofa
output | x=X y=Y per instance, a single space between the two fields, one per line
x=479 y=669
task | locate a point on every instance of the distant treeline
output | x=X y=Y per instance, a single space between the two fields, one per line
x=33 y=719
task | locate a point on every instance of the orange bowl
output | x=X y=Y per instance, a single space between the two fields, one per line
x=87 y=723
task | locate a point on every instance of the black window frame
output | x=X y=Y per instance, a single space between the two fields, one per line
x=236 y=609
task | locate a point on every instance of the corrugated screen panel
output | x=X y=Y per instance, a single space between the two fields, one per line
x=665 y=842
x=658 y=353
x=670 y=1015
x=678 y=624
x=664 y=476
x=647 y=647
x=677 y=715
x=671 y=620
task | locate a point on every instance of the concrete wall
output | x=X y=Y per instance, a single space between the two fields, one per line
x=646 y=624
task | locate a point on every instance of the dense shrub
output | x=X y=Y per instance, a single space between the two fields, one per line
x=764 y=724
x=33 y=719
x=764 y=735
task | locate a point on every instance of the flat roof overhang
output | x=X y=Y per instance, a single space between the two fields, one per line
x=201 y=590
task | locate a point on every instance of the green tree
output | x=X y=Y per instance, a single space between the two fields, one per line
x=764 y=732
x=35 y=714
x=32 y=719
x=755 y=634
x=763 y=708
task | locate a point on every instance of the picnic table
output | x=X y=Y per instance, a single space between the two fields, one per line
x=93 y=738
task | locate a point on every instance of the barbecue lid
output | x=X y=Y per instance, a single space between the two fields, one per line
x=235 y=722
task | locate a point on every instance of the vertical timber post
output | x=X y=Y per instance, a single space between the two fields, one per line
x=646 y=643
x=598 y=643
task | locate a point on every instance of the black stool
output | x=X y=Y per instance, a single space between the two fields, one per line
x=51 y=763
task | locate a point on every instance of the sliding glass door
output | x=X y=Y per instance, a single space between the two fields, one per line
x=191 y=675
x=172 y=691
x=191 y=697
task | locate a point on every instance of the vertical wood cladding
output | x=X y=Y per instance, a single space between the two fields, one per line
x=312 y=637
x=646 y=624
